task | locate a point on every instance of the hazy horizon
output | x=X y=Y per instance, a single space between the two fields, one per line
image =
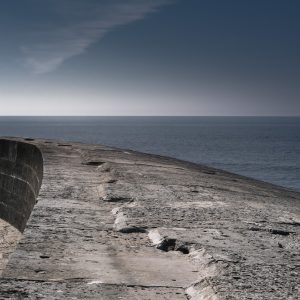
x=154 y=116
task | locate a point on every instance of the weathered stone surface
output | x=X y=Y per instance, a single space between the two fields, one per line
x=116 y=224
x=9 y=237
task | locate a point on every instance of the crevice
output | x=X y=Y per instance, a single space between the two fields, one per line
x=291 y=223
x=281 y=232
x=118 y=199
x=111 y=181
x=133 y=229
x=167 y=245
x=272 y=231
x=173 y=245
x=93 y=163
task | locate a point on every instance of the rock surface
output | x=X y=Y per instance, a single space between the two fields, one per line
x=118 y=224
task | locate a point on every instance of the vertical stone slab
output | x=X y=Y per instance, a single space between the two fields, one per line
x=21 y=173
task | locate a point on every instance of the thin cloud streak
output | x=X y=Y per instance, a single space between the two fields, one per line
x=85 y=24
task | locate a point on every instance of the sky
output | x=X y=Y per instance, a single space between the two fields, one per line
x=150 y=57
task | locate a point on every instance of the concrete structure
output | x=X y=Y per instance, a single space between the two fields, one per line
x=118 y=224
x=21 y=173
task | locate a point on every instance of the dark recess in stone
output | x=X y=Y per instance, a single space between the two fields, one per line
x=280 y=232
x=133 y=229
x=21 y=173
x=272 y=231
x=111 y=181
x=94 y=163
x=169 y=244
x=184 y=249
x=119 y=199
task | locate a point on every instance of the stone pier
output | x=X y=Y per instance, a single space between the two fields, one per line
x=85 y=221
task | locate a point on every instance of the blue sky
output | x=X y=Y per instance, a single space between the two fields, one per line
x=149 y=57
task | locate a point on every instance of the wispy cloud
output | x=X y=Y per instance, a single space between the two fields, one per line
x=76 y=25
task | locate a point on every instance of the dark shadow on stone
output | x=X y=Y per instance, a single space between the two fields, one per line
x=94 y=163
x=133 y=229
x=272 y=231
x=169 y=244
x=21 y=173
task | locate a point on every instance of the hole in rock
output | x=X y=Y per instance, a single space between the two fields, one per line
x=184 y=249
x=133 y=229
x=94 y=163
x=272 y=231
x=280 y=232
x=111 y=181
x=114 y=198
x=169 y=244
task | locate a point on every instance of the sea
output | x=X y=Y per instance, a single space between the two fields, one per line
x=265 y=148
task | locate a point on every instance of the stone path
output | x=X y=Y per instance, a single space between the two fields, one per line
x=117 y=224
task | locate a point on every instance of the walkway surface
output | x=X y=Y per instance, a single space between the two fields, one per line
x=118 y=224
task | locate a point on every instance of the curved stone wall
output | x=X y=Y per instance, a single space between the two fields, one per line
x=21 y=173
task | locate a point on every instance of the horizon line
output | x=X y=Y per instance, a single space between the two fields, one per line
x=153 y=116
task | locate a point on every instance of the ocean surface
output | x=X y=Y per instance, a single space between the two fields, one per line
x=266 y=148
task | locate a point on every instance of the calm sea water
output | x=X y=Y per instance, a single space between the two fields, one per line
x=262 y=148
